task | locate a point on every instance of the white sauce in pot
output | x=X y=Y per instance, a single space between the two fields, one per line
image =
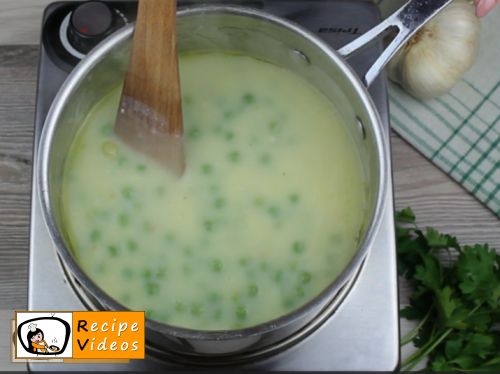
x=265 y=218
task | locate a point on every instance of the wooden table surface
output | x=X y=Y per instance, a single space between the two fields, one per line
x=436 y=199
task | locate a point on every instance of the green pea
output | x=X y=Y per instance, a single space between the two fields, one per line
x=164 y=318
x=152 y=288
x=122 y=161
x=288 y=303
x=274 y=211
x=187 y=99
x=273 y=126
x=214 y=297
x=99 y=269
x=127 y=273
x=278 y=276
x=113 y=251
x=197 y=309
x=218 y=315
x=187 y=269
x=248 y=98
x=160 y=191
x=229 y=114
x=241 y=312
x=229 y=136
x=305 y=277
x=161 y=273
x=95 y=235
x=123 y=220
x=188 y=251
x=106 y=130
x=237 y=326
x=194 y=133
x=179 y=306
x=234 y=157
x=217 y=266
x=170 y=238
x=150 y=314
x=209 y=225
x=128 y=193
x=110 y=149
x=252 y=290
x=100 y=216
x=298 y=247
x=265 y=159
x=235 y=299
x=258 y=201
x=294 y=199
x=299 y=291
x=207 y=169
x=147 y=226
x=219 y=203
x=147 y=273
x=132 y=246
x=243 y=262
x=141 y=167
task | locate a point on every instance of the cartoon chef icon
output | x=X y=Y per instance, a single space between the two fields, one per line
x=35 y=339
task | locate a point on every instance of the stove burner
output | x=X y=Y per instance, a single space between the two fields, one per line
x=362 y=333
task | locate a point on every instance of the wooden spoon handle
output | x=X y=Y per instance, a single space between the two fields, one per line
x=150 y=113
x=153 y=69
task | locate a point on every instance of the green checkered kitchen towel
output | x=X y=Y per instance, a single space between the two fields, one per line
x=460 y=131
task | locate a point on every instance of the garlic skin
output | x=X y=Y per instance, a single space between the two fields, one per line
x=439 y=54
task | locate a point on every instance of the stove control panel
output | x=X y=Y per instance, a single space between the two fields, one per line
x=90 y=23
x=73 y=29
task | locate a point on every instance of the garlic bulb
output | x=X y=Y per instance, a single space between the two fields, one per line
x=439 y=54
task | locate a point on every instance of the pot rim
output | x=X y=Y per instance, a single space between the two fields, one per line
x=78 y=75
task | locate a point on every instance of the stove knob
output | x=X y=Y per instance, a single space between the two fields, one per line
x=90 y=24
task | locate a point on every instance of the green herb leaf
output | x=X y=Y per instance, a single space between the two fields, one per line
x=406 y=215
x=457 y=302
x=481 y=278
x=435 y=239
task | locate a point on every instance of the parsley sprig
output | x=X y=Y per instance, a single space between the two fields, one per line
x=456 y=301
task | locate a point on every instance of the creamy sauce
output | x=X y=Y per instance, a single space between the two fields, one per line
x=265 y=217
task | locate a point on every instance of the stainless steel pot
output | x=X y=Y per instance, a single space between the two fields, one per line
x=283 y=43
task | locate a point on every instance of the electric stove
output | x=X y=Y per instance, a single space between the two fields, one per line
x=362 y=333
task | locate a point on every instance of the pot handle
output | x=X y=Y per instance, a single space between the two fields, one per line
x=406 y=21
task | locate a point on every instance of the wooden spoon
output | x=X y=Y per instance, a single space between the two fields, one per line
x=150 y=113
